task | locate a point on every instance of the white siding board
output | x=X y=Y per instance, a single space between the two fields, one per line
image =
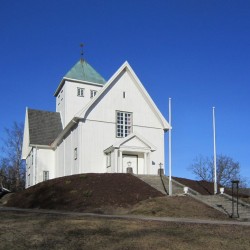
x=68 y=155
x=60 y=160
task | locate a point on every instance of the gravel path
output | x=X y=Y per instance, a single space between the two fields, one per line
x=130 y=217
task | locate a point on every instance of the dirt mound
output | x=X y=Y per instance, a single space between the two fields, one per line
x=85 y=192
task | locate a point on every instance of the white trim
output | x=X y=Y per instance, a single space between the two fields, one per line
x=41 y=146
x=26 y=137
x=116 y=160
x=134 y=125
x=120 y=162
x=145 y=163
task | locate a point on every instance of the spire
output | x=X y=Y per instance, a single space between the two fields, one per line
x=81 y=57
x=85 y=72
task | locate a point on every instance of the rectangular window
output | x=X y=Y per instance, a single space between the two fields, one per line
x=123 y=124
x=75 y=153
x=45 y=175
x=92 y=93
x=80 y=92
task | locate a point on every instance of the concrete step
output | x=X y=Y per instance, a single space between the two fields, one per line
x=154 y=181
x=223 y=203
x=157 y=182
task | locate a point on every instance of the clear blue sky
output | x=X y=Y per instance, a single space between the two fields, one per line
x=196 y=52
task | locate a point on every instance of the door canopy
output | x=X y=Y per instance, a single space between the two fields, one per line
x=133 y=142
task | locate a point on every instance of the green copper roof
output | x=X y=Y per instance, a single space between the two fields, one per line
x=84 y=72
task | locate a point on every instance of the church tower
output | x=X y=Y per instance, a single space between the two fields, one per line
x=76 y=89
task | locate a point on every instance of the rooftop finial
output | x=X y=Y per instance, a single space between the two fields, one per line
x=81 y=45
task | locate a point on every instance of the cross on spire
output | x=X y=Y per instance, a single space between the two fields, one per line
x=81 y=45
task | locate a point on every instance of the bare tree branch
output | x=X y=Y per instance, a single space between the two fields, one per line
x=11 y=165
x=227 y=170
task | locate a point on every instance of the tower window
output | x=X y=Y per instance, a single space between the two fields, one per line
x=80 y=92
x=92 y=93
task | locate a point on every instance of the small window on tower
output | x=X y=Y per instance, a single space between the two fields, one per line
x=92 y=93
x=80 y=92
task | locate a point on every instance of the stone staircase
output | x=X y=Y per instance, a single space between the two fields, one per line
x=155 y=181
x=221 y=202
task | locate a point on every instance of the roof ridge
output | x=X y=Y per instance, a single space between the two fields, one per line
x=40 y=110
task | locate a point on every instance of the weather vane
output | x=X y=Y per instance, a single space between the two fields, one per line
x=81 y=45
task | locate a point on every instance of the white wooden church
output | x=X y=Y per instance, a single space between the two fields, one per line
x=98 y=127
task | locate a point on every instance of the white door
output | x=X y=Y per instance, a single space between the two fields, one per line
x=130 y=161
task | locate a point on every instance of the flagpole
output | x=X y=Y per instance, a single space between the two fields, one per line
x=215 y=167
x=170 y=148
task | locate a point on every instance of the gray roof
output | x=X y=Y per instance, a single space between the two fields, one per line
x=44 y=126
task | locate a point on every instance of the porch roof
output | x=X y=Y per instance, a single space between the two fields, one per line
x=133 y=142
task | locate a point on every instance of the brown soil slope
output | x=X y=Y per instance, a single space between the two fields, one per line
x=84 y=192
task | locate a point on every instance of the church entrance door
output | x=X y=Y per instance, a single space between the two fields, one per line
x=130 y=161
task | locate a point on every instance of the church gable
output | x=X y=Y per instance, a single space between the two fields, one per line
x=124 y=92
